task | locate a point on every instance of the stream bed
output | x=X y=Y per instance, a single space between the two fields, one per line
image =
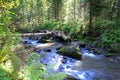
x=91 y=67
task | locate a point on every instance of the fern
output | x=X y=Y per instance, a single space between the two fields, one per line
x=3 y=53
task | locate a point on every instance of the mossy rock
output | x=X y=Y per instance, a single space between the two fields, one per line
x=70 y=52
x=109 y=55
x=115 y=47
x=98 y=51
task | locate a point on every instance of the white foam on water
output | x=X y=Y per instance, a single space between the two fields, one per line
x=89 y=54
x=68 y=65
x=32 y=42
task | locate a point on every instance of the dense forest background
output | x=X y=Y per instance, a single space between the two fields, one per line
x=93 y=21
x=88 y=18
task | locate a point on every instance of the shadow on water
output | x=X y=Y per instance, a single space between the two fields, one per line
x=91 y=67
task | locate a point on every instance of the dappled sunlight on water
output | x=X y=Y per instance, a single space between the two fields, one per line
x=91 y=67
x=90 y=54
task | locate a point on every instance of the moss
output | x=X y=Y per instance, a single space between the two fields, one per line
x=115 y=47
x=70 y=52
x=109 y=55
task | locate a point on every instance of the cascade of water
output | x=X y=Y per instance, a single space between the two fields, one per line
x=91 y=67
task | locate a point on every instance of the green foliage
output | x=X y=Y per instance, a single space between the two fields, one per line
x=6 y=40
x=4 y=75
x=36 y=15
x=55 y=9
x=104 y=23
x=96 y=7
x=74 y=30
x=110 y=39
x=111 y=36
x=9 y=68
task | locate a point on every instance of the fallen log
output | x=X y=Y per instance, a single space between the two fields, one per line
x=45 y=45
x=58 y=35
x=34 y=34
x=61 y=36
x=27 y=34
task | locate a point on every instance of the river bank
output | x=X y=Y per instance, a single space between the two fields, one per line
x=92 y=66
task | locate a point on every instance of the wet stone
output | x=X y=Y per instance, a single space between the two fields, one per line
x=48 y=50
x=37 y=50
x=58 y=48
x=64 y=57
x=61 y=67
x=54 y=56
x=70 y=78
x=71 y=60
x=25 y=42
x=64 y=61
x=68 y=66
x=82 y=44
x=70 y=51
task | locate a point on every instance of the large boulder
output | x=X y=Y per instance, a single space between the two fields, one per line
x=70 y=51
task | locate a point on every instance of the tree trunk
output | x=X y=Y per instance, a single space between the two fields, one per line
x=118 y=12
x=90 y=20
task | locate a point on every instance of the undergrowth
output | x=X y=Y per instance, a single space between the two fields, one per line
x=17 y=64
x=13 y=69
x=103 y=33
x=74 y=30
x=109 y=37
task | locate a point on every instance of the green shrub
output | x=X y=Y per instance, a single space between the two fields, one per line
x=111 y=36
x=4 y=75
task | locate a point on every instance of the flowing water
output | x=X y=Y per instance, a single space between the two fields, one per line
x=91 y=67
